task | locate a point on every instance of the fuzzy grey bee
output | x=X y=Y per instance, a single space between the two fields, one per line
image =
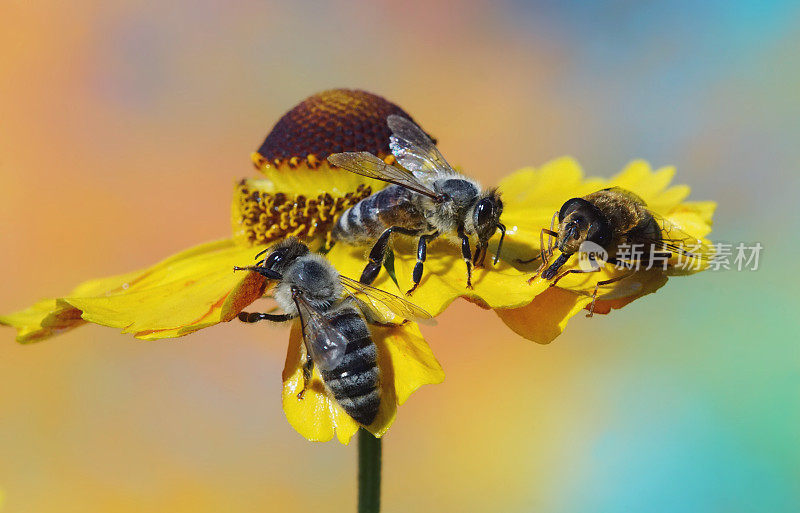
x=611 y=219
x=334 y=312
x=427 y=199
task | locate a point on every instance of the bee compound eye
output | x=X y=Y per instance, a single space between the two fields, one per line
x=274 y=259
x=483 y=212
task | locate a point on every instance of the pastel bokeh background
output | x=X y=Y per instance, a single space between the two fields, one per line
x=124 y=127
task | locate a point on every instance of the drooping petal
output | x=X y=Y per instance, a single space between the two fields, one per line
x=317 y=417
x=50 y=317
x=42 y=320
x=405 y=361
x=544 y=318
x=186 y=292
x=412 y=360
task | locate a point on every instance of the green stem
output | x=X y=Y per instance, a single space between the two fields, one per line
x=369 y=472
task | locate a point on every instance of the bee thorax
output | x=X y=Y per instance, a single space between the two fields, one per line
x=315 y=277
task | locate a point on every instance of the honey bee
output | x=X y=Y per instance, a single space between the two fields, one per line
x=603 y=225
x=334 y=312
x=427 y=199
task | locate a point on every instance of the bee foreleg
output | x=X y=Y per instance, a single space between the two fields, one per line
x=378 y=253
x=308 y=371
x=543 y=254
x=466 y=254
x=422 y=251
x=256 y=316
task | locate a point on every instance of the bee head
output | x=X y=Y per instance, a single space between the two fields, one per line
x=280 y=256
x=486 y=221
x=581 y=221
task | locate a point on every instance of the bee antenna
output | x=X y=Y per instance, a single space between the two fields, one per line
x=263 y=271
x=502 y=229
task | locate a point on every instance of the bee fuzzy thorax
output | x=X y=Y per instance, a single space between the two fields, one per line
x=315 y=277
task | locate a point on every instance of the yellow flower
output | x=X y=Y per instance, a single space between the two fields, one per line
x=532 y=196
x=197 y=288
x=299 y=194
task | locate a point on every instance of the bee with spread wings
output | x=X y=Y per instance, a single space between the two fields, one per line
x=427 y=198
x=334 y=312
x=616 y=226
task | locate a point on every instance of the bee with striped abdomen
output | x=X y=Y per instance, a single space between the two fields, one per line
x=427 y=198
x=613 y=223
x=334 y=312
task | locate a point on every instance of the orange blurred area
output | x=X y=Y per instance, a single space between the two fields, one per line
x=125 y=127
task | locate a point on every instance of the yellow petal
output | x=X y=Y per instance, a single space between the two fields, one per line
x=412 y=361
x=647 y=283
x=693 y=217
x=546 y=316
x=531 y=197
x=540 y=192
x=317 y=417
x=186 y=292
x=405 y=362
x=53 y=316
x=44 y=319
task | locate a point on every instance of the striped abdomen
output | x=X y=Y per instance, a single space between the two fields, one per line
x=355 y=382
x=367 y=219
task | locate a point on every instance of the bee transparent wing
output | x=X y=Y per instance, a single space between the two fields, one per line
x=413 y=149
x=368 y=296
x=367 y=164
x=324 y=342
x=673 y=239
x=676 y=241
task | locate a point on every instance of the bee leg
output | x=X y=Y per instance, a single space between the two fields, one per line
x=574 y=271
x=466 y=254
x=529 y=260
x=422 y=251
x=544 y=255
x=378 y=253
x=256 y=316
x=600 y=284
x=308 y=371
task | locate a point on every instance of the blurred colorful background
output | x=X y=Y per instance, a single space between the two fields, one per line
x=125 y=126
